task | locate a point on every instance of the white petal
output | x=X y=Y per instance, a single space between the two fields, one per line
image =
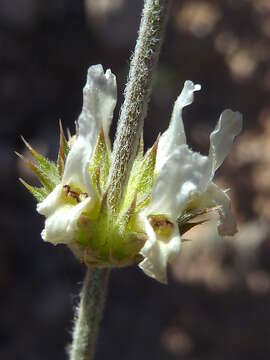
x=221 y=139
x=175 y=135
x=184 y=173
x=214 y=196
x=61 y=224
x=186 y=97
x=51 y=202
x=99 y=99
x=157 y=253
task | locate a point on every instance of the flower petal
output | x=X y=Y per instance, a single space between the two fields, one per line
x=157 y=253
x=51 y=202
x=175 y=135
x=184 y=173
x=221 y=139
x=214 y=196
x=61 y=220
x=61 y=216
x=99 y=99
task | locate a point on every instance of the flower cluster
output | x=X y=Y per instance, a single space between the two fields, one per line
x=168 y=186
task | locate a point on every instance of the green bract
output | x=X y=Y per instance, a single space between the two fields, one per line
x=102 y=238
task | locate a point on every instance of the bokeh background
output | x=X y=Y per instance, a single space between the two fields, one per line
x=217 y=303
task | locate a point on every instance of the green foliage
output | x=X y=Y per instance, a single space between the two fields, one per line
x=63 y=151
x=48 y=173
x=46 y=169
x=38 y=192
x=100 y=165
x=108 y=242
x=141 y=179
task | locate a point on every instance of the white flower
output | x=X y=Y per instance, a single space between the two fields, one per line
x=167 y=186
x=99 y=99
x=183 y=177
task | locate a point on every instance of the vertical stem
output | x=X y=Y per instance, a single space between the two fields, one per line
x=129 y=129
x=137 y=94
x=88 y=314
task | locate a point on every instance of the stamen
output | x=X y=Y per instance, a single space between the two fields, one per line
x=78 y=196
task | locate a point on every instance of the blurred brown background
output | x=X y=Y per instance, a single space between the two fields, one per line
x=217 y=303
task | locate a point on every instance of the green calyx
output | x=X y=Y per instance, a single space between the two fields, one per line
x=106 y=238
x=102 y=238
x=106 y=241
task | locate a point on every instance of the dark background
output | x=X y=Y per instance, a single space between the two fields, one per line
x=217 y=303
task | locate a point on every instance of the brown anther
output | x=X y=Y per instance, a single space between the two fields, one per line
x=74 y=194
x=158 y=221
x=66 y=189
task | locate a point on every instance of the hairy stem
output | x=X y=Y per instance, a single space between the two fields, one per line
x=89 y=313
x=129 y=129
x=137 y=94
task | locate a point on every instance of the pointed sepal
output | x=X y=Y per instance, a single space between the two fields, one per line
x=126 y=217
x=63 y=151
x=42 y=177
x=39 y=193
x=142 y=179
x=185 y=221
x=100 y=165
x=47 y=168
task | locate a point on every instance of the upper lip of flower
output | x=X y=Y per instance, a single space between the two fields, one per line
x=99 y=100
